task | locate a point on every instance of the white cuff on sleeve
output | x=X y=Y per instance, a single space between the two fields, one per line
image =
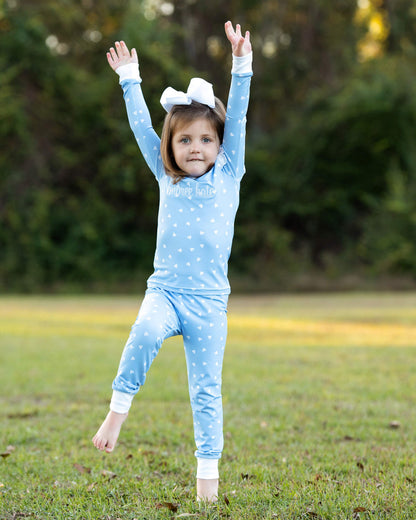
x=242 y=64
x=121 y=402
x=207 y=468
x=129 y=71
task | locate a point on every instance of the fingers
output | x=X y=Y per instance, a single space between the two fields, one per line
x=244 y=41
x=229 y=31
x=113 y=54
x=120 y=55
x=110 y=59
x=239 y=42
x=122 y=50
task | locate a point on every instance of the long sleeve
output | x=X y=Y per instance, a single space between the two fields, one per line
x=141 y=125
x=237 y=106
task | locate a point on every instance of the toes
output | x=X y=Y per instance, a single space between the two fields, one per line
x=99 y=443
x=103 y=444
x=109 y=447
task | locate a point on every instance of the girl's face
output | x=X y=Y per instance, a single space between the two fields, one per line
x=195 y=147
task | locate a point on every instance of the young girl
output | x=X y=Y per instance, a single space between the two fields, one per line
x=198 y=164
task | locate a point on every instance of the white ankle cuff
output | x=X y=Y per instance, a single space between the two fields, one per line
x=207 y=468
x=121 y=402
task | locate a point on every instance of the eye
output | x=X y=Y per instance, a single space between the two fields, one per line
x=206 y=139
x=184 y=140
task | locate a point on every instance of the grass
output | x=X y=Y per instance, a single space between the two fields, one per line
x=319 y=402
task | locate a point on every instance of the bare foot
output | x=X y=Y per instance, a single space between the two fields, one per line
x=207 y=489
x=106 y=437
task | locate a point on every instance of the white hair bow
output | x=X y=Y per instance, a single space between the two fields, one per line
x=198 y=90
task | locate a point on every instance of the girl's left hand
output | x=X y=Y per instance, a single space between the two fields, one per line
x=240 y=45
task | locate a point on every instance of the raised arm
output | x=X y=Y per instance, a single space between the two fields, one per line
x=237 y=105
x=126 y=64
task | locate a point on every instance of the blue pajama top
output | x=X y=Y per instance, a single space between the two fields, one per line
x=196 y=215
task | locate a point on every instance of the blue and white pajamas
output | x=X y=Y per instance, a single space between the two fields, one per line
x=188 y=291
x=202 y=321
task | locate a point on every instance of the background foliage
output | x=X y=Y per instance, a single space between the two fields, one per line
x=331 y=151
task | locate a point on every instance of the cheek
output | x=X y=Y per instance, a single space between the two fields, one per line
x=176 y=150
x=181 y=152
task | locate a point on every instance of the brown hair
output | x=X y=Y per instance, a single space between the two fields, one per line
x=180 y=115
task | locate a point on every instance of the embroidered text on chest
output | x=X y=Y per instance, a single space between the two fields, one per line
x=203 y=191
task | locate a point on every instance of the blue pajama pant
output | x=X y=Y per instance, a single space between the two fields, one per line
x=202 y=321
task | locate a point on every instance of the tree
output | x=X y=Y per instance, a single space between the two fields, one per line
x=330 y=132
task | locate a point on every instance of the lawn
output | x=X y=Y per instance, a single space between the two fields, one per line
x=319 y=405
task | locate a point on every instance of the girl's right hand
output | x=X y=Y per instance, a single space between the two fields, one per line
x=121 y=55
